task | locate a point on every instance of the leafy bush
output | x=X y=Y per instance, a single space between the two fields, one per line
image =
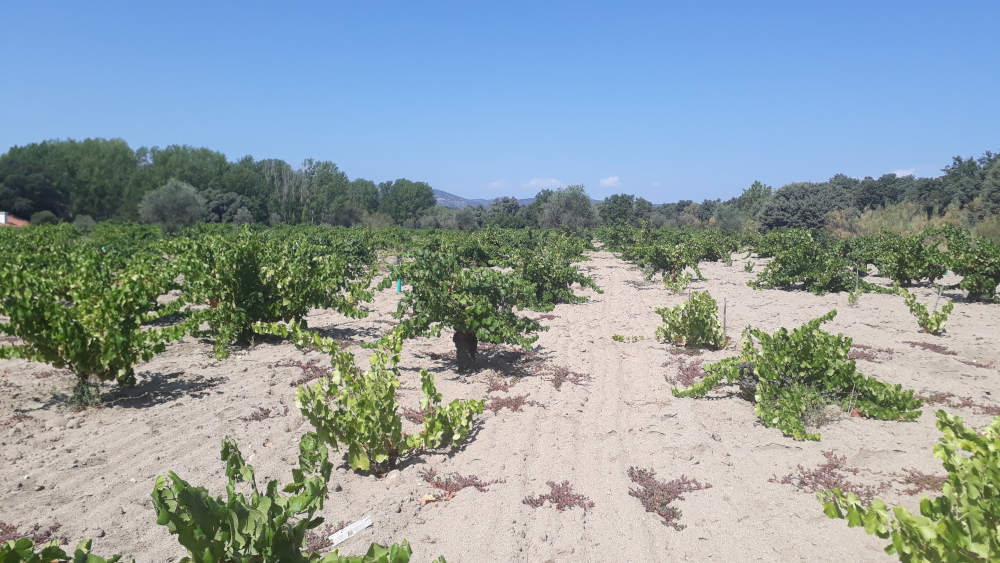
x=477 y=302
x=175 y=205
x=24 y=550
x=963 y=524
x=808 y=264
x=905 y=260
x=931 y=322
x=46 y=217
x=252 y=276
x=262 y=526
x=694 y=323
x=359 y=409
x=977 y=260
x=71 y=307
x=552 y=277
x=790 y=373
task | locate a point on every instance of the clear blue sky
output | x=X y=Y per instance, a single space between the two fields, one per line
x=664 y=100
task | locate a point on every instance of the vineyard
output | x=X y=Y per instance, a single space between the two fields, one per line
x=633 y=394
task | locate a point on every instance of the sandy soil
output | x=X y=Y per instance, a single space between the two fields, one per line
x=92 y=471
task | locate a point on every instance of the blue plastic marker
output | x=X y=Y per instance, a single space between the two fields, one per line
x=399 y=286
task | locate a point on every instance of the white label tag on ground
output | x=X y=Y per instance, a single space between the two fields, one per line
x=350 y=530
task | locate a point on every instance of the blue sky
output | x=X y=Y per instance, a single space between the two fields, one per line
x=665 y=100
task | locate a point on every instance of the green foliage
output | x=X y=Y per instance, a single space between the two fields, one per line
x=262 y=526
x=962 y=524
x=976 y=259
x=908 y=259
x=45 y=217
x=72 y=306
x=748 y=267
x=478 y=303
x=552 y=277
x=174 y=205
x=359 y=410
x=789 y=372
x=24 y=550
x=931 y=322
x=803 y=262
x=694 y=323
x=254 y=276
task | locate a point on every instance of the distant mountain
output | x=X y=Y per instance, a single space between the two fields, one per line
x=452 y=201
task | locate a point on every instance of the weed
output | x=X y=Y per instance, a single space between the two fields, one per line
x=455 y=482
x=936 y=348
x=310 y=371
x=37 y=533
x=514 y=403
x=834 y=473
x=318 y=539
x=561 y=496
x=416 y=416
x=954 y=401
x=656 y=495
x=562 y=375
x=18 y=417
x=258 y=414
x=869 y=353
x=919 y=481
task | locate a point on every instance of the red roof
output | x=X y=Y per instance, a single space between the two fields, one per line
x=12 y=221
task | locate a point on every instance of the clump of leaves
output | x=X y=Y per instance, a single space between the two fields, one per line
x=497 y=383
x=38 y=534
x=748 y=267
x=834 y=473
x=930 y=322
x=688 y=372
x=791 y=371
x=959 y=525
x=656 y=495
x=694 y=323
x=26 y=550
x=561 y=496
x=359 y=409
x=917 y=481
x=454 y=482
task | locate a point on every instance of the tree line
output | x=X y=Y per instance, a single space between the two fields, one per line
x=102 y=179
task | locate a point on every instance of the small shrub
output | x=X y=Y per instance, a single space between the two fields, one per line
x=959 y=525
x=694 y=323
x=359 y=409
x=789 y=372
x=930 y=322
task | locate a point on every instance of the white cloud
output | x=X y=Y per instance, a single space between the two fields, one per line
x=611 y=182
x=541 y=183
x=902 y=173
x=498 y=184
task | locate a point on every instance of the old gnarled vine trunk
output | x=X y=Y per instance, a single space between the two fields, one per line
x=466 y=344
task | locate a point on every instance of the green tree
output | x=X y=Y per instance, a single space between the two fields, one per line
x=618 y=209
x=504 y=212
x=175 y=205
x=405 y=200
x=568 y=208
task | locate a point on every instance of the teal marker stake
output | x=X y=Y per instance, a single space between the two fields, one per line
x=399 y=286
